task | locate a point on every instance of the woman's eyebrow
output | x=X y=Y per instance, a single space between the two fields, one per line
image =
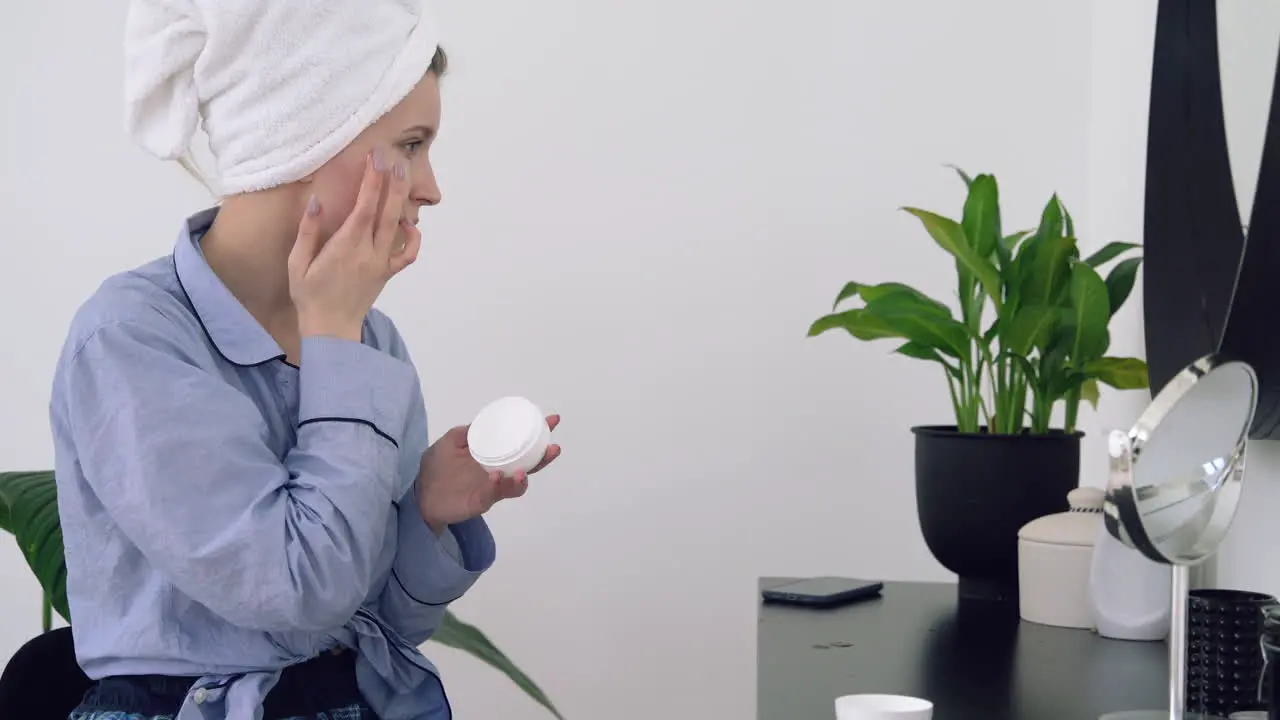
x=427 y=132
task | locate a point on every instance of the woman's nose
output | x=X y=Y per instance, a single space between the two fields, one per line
x=425 y=190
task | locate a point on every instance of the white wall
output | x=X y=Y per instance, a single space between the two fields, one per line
x=646 y=204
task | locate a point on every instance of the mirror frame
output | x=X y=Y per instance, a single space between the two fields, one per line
x=1120 y=506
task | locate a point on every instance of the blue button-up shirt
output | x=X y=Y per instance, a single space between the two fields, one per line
x=227 y=514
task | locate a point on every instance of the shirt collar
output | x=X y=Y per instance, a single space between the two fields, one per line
x=236 y=335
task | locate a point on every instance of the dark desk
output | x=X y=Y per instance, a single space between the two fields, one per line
x=971 y=665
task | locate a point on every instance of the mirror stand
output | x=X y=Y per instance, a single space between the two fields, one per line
x=1179 y=615
x=1173 y=489
x=1180 y=588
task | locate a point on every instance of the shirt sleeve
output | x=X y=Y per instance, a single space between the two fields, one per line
x=177 y=456
x=429 y=572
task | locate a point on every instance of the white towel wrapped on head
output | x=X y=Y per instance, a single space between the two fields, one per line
x=279 y=86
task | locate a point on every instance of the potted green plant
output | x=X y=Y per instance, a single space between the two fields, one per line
x=29 y=510
x=1029 y=337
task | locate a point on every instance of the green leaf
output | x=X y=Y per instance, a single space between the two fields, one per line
x=1028 y=328
x=1089 y=392
x=1044 y=269
x=1060 y=384
x=1025 y=365
x=1120 y=282
x=32 y=516
x=991 y=333
x=1091 y=311
x=1050 y=219
x=1006 y=247
x=1046 y=237
x=949 y=235
x=966 y=284
x=1058 y=375
x=457 y=634
x=896 y=297
x=1069 y=380
x=29 y=510
x=912 y=310
x=919 y=352
x=1109 y=252
x=1055 y=351
x=849 y=290
x=982 y=215
x=1068 y=225
x=943 y=334
x=896 y=310
x=924 y=352
x=963 y=175
x=857 y=322
x=889 y=292
x=1121 y=373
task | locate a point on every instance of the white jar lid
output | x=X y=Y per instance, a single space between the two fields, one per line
x=503 y=429
x=1079 y=526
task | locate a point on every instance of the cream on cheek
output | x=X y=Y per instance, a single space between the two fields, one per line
x=337 y=188
x=337 y=185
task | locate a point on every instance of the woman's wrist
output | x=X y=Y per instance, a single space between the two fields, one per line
x=438 y=527
x=351 y=332
x=435 y=523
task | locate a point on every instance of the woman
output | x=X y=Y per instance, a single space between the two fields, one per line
x=253 y=519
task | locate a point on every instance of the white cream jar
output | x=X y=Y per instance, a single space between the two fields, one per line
x=509 y=434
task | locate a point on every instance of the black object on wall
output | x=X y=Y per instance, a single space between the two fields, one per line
x=1207 y=287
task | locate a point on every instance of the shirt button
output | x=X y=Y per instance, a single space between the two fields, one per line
x=200 y=696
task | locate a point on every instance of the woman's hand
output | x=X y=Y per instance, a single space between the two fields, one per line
x=453 y=487
x=334 y=282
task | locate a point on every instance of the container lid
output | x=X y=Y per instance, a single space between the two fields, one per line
x=1078 y=526
x=503 y=429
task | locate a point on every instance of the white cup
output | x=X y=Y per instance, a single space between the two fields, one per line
x=882 y=707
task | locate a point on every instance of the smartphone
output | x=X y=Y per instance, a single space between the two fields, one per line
x=823 y=591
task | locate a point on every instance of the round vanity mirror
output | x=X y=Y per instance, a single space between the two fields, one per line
x=1174 y=486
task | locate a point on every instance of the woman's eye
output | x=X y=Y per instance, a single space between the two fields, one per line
x=412 y=146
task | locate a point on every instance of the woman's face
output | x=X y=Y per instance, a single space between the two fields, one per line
x=403 y=135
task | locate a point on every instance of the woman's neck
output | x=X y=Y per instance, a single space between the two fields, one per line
x=248 y=249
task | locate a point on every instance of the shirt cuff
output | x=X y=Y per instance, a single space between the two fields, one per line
x=349 y=381
x=436 y=570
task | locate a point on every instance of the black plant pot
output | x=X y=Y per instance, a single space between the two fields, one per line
x=974 y=491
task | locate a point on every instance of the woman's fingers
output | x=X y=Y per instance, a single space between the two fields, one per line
x=412 y=243
x=307 y=244
x=553 y=452
x=388 y=227
x=364 y=216
x=516 y=485
x=503 y=487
